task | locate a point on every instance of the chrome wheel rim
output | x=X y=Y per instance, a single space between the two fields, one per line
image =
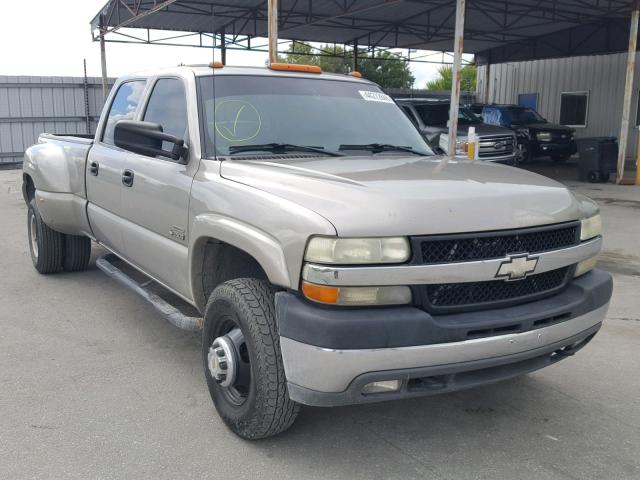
x=522 y=153
x=229 y=365
x=33 y=235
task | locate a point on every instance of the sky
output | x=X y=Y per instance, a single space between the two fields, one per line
x=52 y=37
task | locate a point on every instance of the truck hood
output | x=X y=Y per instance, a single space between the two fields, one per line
x=548 y=127
x=463 y=130
x=396 y=195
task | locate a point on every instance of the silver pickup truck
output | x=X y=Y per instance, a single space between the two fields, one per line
x=301 y=221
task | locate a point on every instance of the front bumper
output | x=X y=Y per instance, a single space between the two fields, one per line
x=351 y=350
x=550 y=148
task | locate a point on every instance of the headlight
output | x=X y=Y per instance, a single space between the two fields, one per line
x=543 y=136
x=591 y=227
x=357 y=296
x=357 y=251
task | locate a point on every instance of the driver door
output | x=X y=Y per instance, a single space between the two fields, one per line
x=156 y=199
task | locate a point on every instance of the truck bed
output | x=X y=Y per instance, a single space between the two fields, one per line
x=56 y=165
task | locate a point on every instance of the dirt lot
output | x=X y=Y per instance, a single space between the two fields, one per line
x=94 y=385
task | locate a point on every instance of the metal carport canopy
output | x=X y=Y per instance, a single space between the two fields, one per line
x=494 y=30
x=532 y=28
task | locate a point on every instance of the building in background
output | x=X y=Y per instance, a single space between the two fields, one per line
x=30 y=106
x=584 y=92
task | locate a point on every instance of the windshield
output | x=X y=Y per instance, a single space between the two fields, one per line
x=523 y=116
x=314 y=113
x=437 y=115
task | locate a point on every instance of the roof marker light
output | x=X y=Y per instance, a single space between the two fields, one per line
x=216 y=65
x=356 y=74
x=295 y=67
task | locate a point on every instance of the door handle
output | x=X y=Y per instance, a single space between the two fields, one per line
x=93 y=168
x=127 y=178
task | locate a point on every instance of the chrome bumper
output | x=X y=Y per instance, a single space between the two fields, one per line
x=324 y=371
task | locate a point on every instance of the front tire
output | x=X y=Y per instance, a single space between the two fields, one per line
x=45 y=244
x=242 y=360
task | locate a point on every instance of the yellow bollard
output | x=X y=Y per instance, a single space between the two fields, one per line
x=472 y=144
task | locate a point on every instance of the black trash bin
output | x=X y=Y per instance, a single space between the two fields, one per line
x=598 y=158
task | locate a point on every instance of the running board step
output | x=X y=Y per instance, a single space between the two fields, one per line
x=173 y=315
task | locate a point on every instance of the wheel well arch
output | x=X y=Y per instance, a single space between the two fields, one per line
x=28 y=187
x=215 y=262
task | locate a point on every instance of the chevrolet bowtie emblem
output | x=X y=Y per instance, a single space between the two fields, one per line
x=517 y=267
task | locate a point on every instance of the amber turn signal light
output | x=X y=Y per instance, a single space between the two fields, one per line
x=321 y=293
x=294 y=67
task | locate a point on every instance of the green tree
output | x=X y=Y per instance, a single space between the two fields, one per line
x=383 y=68
x=445 y=79
x=386 y=69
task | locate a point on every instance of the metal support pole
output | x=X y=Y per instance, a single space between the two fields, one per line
x=103 y=63
x=223 y=47
x=487 y=81
x=355 y=55
x=273 y=31
x=457 y=73
x=85 y=85
x=628 y=90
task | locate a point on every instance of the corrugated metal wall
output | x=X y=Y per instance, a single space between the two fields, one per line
x=32 y=105
x=603 y=76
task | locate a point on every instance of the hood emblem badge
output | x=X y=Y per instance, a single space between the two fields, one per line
x=517 y=267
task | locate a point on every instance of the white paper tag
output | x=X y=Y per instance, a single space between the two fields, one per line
x=375 y=96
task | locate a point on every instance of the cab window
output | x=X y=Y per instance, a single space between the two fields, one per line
x=168 y=107
x=123 y=107
x=409 y=113
x=493 y=116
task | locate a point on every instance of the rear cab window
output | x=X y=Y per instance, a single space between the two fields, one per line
x=123 y=107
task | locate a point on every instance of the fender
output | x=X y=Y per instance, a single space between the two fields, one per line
x=264 y=248
x=260 y=245
x=57 y=164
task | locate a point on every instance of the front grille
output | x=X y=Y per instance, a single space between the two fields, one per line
x=469 y=247
x=465 y=296
x=485 y=246
x=496 y=146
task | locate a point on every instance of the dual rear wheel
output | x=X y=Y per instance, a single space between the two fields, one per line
x=52 y=251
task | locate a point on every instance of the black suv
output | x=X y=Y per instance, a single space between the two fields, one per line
x=536 y=136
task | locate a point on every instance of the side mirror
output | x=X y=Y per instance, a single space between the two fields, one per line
x=146 y=138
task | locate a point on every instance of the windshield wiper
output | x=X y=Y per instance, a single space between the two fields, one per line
x=280 y=148
x=382 y=147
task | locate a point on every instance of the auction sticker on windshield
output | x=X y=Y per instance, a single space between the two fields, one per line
x=375 y=96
